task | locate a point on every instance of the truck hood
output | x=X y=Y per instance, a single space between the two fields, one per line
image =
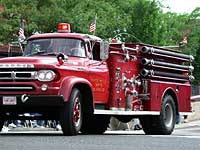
x=41 y=61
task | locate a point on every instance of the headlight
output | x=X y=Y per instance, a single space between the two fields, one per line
x=45 y=75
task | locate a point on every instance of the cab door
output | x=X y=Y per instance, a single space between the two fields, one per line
x=98 y=76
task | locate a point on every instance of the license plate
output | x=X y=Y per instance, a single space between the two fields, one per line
x=9 y=100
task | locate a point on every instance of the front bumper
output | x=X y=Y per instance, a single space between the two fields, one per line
x=30 y=103
x=33 y=100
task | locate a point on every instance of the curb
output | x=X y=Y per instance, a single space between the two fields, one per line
x=196 y=111
x=188 y=124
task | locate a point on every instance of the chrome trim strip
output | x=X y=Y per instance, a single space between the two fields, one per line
x=16 y=66
x=118 y=112
x=16 y=88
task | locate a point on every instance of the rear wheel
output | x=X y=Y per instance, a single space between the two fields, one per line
x=71 y=115
x=165 y=122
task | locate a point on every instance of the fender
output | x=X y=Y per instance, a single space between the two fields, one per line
x=167 y=89
x=68 y=83
x=161 y=89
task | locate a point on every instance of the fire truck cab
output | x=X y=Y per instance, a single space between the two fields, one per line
x=82 y=81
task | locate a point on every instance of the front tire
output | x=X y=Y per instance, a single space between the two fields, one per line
x=71 y=115
x=165 y=122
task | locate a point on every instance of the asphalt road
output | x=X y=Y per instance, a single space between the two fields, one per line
x=183 y=138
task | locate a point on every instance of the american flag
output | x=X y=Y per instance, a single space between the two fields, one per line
x=21 y=36
x=21 y=32
x=93 y=25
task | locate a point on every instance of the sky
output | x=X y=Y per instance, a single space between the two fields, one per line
x=180 y=6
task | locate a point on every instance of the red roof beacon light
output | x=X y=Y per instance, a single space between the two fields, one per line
x=64 y=27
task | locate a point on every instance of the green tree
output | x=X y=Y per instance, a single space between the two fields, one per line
x=146 y=19
x=11 y=17
x=194 y=22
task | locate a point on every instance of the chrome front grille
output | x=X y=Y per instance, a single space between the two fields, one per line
x=18 y=75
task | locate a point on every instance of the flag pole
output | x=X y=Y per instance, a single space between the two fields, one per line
x=92 y=27
x=21 y=36
x=95 y=18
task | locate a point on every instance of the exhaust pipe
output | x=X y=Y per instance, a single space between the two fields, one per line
x=151 y=50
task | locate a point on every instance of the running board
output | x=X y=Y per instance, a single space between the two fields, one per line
x=121 y=112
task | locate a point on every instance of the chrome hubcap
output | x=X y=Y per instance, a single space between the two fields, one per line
x=168 y=115
x=77 y=112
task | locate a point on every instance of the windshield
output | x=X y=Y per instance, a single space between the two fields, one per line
x=49 y=46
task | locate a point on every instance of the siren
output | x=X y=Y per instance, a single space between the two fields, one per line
x=61 y=58
x=64 y=27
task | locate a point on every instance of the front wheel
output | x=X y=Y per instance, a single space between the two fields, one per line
x=165 y=122
x=71 y=115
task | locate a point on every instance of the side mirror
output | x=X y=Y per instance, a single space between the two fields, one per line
x=104 y=46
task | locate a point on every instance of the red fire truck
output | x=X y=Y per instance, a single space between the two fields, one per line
x=82 y=81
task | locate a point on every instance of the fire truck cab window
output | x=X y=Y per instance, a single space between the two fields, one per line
x=96 y=52
x=93 y=49
x=68 y=46
x=78 y=50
